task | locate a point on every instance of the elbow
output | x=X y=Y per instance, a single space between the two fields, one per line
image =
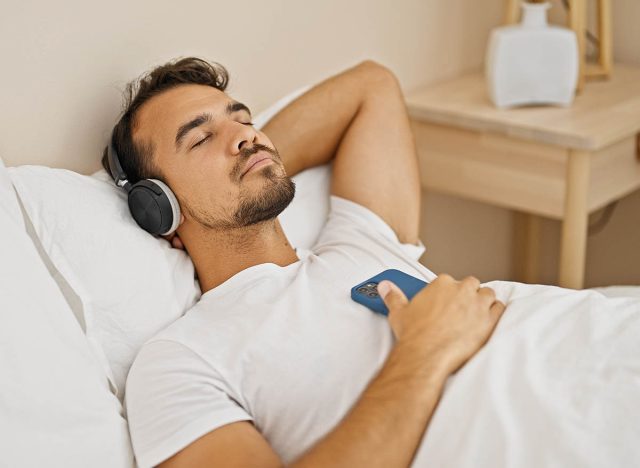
x=377 y=75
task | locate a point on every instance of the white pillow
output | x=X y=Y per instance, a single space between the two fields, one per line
x=304 y=218
x=56 y=408
x=129 y=285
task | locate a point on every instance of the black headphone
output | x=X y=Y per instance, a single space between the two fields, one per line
x=151 y=202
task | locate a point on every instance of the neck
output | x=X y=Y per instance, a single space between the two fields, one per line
x=219 y=255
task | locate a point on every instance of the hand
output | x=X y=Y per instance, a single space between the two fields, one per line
x=449 y=320
x=174 y=238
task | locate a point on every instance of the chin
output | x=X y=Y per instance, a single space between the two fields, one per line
x=273 y=197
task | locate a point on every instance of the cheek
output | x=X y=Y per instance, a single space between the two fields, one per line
x=213 y=194
x=205 y=184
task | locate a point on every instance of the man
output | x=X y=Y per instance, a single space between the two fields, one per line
x=275 y=364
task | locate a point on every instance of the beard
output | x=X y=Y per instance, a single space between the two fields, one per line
x=278 y=193
x=254 y=207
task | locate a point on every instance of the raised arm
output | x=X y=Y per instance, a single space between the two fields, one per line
x=359 y=119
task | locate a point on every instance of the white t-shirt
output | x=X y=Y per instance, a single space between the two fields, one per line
x=284 y=347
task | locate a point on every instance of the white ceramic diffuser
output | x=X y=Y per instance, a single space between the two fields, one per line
x=532 y=62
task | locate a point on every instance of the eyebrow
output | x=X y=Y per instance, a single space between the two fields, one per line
x=203 y=118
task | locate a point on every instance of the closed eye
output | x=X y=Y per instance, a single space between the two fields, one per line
x=201 y=141
x=209 y=136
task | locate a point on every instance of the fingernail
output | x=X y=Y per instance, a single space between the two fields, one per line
x=383 y=288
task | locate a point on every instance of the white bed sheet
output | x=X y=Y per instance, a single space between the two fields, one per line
x=619 y=291
x=558 y=384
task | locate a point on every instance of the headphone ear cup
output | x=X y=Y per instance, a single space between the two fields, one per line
x=154 y=207
x=173 y=203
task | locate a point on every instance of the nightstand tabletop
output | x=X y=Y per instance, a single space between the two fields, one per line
x=604 y=113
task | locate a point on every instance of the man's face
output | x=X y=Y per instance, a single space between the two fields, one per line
x=210 y=156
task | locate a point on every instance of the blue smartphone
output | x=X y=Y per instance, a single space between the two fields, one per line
x=366 y=293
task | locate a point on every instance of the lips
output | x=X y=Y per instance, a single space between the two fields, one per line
x=256 y=158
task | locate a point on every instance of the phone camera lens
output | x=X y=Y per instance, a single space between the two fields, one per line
x=372 y=285
x=362 y=290
x=373 y=294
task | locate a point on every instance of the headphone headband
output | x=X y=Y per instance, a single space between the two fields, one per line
x=115 y=168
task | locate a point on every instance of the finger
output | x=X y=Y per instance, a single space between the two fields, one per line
x=445 y=278
x=495 y=312
x=392 y=295
x=487 y=294
x=471 y=282
x=497 y=309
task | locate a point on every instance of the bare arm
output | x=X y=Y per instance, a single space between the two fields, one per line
x=308 y=131
x=359 y=120
x=442 y=327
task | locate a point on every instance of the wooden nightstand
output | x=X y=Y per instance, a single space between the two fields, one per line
x=560 y=163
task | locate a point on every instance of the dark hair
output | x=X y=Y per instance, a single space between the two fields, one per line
x=137 y=159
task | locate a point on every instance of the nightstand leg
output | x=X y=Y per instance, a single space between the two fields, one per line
x=526 y=247
x=573 y=249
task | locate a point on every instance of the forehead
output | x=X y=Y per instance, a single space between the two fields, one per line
x=161 y=116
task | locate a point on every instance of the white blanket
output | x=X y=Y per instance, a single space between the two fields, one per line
x=558 y=384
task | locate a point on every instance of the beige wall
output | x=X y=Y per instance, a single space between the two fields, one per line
x=64 y=64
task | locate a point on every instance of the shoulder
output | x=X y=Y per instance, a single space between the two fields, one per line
x=160 y=360
x=173 y=397
x=352 y=224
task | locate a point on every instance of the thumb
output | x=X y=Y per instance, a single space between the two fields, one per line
x=392 y=295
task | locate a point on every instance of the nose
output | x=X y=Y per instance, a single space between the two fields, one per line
x=243 y=135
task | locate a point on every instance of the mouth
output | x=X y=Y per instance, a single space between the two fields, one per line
x=261 y=158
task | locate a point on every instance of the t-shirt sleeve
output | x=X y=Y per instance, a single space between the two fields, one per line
x=348 y=217
x=174 y=397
